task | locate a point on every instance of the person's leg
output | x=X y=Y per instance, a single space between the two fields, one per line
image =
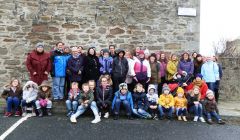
x=24 y=104
x=144 y=113
x=200 y=110
x=178 y=112
x=56 y=85
x=184 y=112
x=74 y=106
x=49 y=104
x=16 y=103
x=214 y=114
x=62 y=83
x=37 y=103
x=211 y=86
x=81 y=109
x=217 y=84
x=94 y=108
x=127 y=107
x=209 y=117
x=170 y=111
x=115 y=83
x=117 y=106
x=161 y=113
x=69 y=105
x=135 y=112
x=9 y=104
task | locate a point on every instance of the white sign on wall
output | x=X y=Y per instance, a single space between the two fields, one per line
x=187 y=11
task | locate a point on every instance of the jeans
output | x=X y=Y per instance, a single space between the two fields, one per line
x=163 y=109
x=211 y=86
x=141 y=113
x=214 y=114
x=12 y=101
x=126 y=105
x=81 y=109
x=58 y=87
x=197 y=109
x=181 y=111
x=38 y=106
x=25 y=104
x=72 y=105
x=104 y=109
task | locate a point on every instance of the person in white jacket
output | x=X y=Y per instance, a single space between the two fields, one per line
x=30 y=92
x=152 y=96
x=130 y=74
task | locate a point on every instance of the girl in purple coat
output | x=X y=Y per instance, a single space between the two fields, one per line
x=186 y=65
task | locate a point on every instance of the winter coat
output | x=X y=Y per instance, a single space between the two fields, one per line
x=142 y=70
x=30 y=95
x=38 y=63
x=210 y=72
x=73 y=96
x=91 y=68
x=128 y=98
x=104 y=96
x=9 y=92
x=155 y=73
x=186 y=66
x=180 y=102
x=140 y=100
x=106 y=65
x=46 y=94
x=120 y=67
x=210 y=105
x=59 y=63
x=163 y=68
x=192 y=99
x=166 y=100
x=86 y=96
x=171 y=69
x=75 y=65
x=197 y=67
x=203 y=88
x=152 y=98
x=130 y=73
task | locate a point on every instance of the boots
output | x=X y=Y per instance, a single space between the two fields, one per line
x=40 y=113
x=24 y=111
x=184 y=118
x=97 y=119
x=49 y=112
x=179 y=118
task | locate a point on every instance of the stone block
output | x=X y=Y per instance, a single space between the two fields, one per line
x=116 y=31
x=70 y=26
x=172 y=46
x=71 y=37
x=3 y=51
x=40 y=28
x=12 y=62
x=13 y=28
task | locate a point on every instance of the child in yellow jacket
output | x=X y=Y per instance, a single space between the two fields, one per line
x=181 y=104
x=166 y=103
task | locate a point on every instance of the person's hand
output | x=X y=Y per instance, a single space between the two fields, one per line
x=34 y=73
x=85 y=102
x=46 y=72
x=135 y=78
x=79 y=72
x=185 y=84
x=196 y=102
x=86 y=105
x=148 y=80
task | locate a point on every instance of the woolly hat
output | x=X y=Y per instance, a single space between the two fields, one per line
x=39 y=45
x=180 y=90
x=45 y=83
x=151 y=86
x=105 y=51
x=199 y=75
x=74 y=49
x=209 y=93
x=123 y=86
x=165 y=87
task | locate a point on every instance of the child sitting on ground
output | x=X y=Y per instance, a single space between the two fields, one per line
x=140 y=102
x=166 y=103
x=211 y=108
x=86 y=100
x=72 y=101
x=30 y=92
x=152 y=99
x=122 y=96
x=44 y=99
x=180 y=102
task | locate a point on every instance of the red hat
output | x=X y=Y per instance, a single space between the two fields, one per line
x=141 y=52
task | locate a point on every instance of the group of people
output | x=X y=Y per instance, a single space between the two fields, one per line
x=148 y=85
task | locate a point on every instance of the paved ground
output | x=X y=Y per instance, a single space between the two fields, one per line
x=59 y=127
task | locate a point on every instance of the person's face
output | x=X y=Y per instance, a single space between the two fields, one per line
x=123 y=91
x=194 y=55
x=121 y=54
x=139 y=88
x=210 y=97
x=15 y=83
x=101 y=52
x=162 y=56
x=127 y=55
x=60 y=46
x=104 y=81
x=209 y=59
x=91 y=85
x=44 y=88
x=198 y=79
x=180 y=95
x=91 y=51
x=174 y=57
x=39 y=49
x=137 y=50
x=152 y=59
x=74 y=86
x=106 y=55
x=151 y=91
x=166 y=92
x=199 y=58
x=158 y=56
x=79 y=49
x=112 y=49
x=141 y=56
x=195 y=91
x=67 y=50
x=85 y=89
x=75 y=53
x=185 y=56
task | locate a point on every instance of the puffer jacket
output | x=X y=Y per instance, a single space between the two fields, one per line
x=166 y=100
x=104 y=96
x=128 y=98
x=120 y=67
x=171 y=69
x=106 y=65
x=210 y=105
x=140 y=100
x=30 y=95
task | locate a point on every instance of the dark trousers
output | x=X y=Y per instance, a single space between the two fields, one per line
x=126 y=105
x=12 y=101
x=117 y=81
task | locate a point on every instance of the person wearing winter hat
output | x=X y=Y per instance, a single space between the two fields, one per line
x=44 y=99
x=166 y=103
x=38 y=64
x=106 y=63
x=119 y=69
x=153 y=99
x=211 y=108
x=194 y=104
x=122 y=96
x=180 y=102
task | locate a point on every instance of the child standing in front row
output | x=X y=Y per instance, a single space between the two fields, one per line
x=86 y=100
x=180 y=102
x=153 y=99
x=166 y=103
x=72 y=101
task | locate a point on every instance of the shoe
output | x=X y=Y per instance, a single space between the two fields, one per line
x=73 y=120
x=130 y=117
x=96 y=120
x=202 y=119
x=8 y=114
x=116 y=117
x=170 y=118
x=40 y=113
x=49 y=112
x=161 y=118
x=24 y=114
x=179 y=118
x=195 y=118
x=69 y=114
x=17 y=114
x=184 y=118
x=221 y=122
x=155 y=117
x=106 y=115
x=209 y=121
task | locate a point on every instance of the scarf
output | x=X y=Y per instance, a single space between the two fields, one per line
x=198 y=83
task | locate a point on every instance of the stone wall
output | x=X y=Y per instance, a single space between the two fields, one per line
x=127 y=23
x=230 y=83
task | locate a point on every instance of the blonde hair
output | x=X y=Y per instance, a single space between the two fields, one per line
x=85 y=85
x=92 y=81
x=140 y=85
x=108 y=77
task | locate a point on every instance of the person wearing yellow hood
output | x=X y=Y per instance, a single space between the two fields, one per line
x=166 y=103
x=171 y=69
x=180 y=103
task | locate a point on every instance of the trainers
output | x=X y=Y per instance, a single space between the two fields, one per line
x=17 y=114
x=184 y=118
x=7 y=114
x=96 y=120
x=179 y=118
x=221 y=122
x=24 y=114
x=209 y=121
x=73 y=120
x=155 y=117
x=69 y=114
x=106 y=115
x=202 y=119
x=195 y=118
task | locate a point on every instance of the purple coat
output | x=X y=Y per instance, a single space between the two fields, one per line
x=73 y=67
x=187 y=66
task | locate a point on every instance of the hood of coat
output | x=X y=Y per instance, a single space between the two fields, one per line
x=151 y=86
x=30 y=84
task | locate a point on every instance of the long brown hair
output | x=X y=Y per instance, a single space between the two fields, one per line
x=19 y=84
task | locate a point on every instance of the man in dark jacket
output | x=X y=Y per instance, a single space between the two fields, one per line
x=119 y=69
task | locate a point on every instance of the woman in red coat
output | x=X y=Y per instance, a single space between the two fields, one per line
x=201 y=84
x=38 y=64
